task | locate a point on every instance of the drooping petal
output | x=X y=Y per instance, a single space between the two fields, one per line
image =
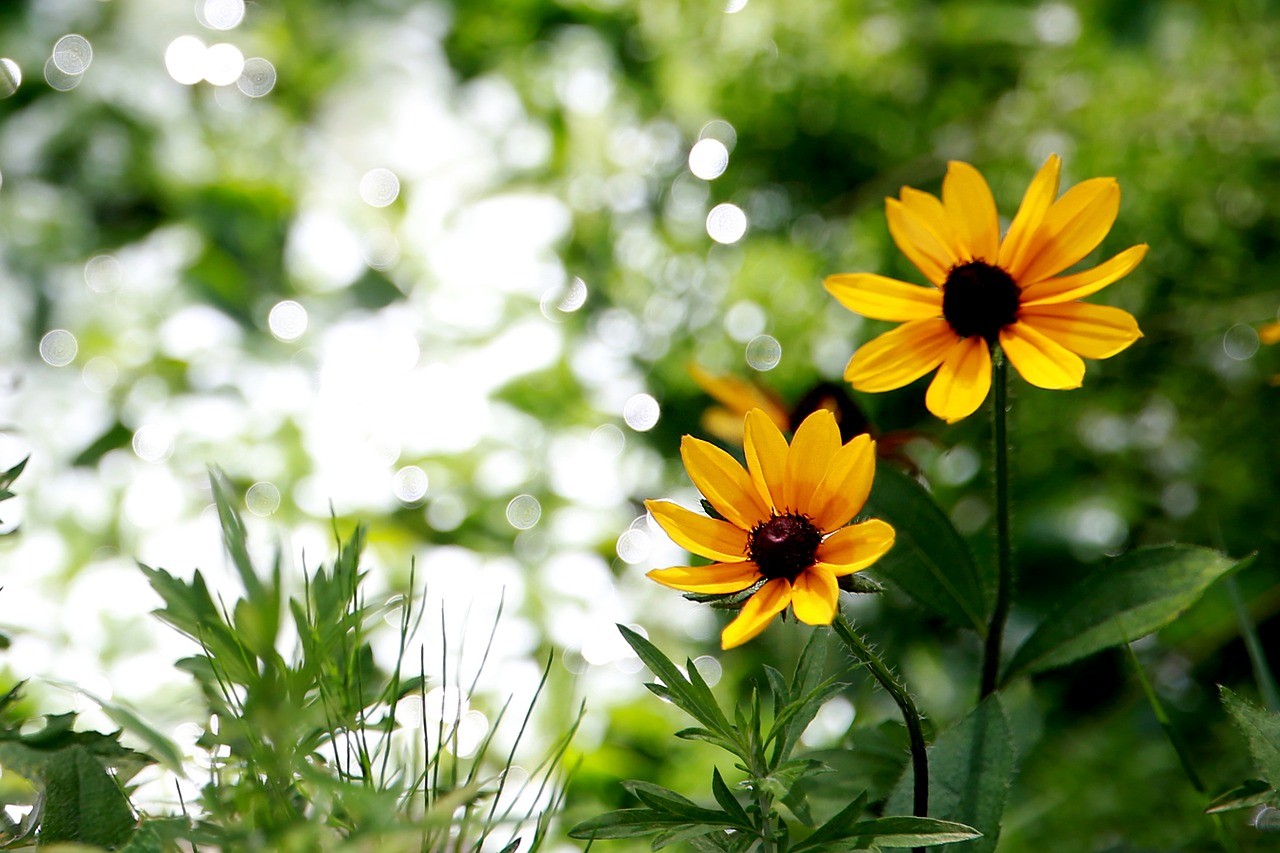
x=883 y=298
x=1072 y=228
x=815 y=596
x=816 y=442
x=962 y=382
x=845 y=486
x=1026 y=222
x=715 y=578
x=699 y=534
x=723 y=482
x=766 y=452
x=971 y=210
x=739 y=396
x=1082 y=284
x=757 y=613
x=900 y=356
x=1041 y=361
x=853 y=548
x=1093 y=331
x=921 y=244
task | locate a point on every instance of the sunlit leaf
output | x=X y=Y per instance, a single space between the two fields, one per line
x=1120 y=602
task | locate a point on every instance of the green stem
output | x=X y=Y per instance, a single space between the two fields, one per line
x=1004 y=551
x=1253 y=644
x=895 y=688
x=1166 y=725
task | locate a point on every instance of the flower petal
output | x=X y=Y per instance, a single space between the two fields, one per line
x=900 y=356
x=928 y=208
x=723 y=482
x=738 y=396
x=769 y=601
x=816 y=442
x=923 y=246
x=845 y=486
x=815 y=596
x=1093 y=331
x=1026 y=222
x=1041 y=361
x=715 y=578
x=766 y=452
x=971 y=210
x=1072 y=228
x=882 y=298
x=699 y=534
x=1081 y=284
x=962 y=382
x=853 y=548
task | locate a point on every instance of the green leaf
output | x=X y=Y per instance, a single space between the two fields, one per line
x=627 y=823
x=912 y=832
x=726 y=799
x=691 y=696
x=835 y=829
x=971 y=767
x=683 y=834
x=929 y=560
x=670 y=803
x=1137 y=594
x=1262 y=729
x=1252 y=793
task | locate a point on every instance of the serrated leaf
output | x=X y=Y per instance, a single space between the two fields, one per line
x=911 y=832
x=1262 y=729
x=82 y=803
x=971 y=768
x=929 y=560
x=1137 y=594
x=1252 y=793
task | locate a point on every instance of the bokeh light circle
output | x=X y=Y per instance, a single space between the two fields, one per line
x=223 y=64
x=262 y=499
x=641 y=412
x=708 y=159
x=72 y=54
x=258 y=77
x=410 y=484
x=287 y=320
x=184 y=60
x=59 y=79
x=10 y=77
x=523 y=512
x=220 y=14
x=59 y=347
x=1241 y=342
x=379 y=187
x=764 y=352
x=726 y=223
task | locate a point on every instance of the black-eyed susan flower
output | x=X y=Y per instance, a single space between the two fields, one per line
x=736 y=396
x=988 y=291
x=781 y=531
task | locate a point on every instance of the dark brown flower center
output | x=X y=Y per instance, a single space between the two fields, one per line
x=784 y=546
x=979 y=299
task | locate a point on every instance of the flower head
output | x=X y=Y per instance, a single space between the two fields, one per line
x=988 y=291
x=781 y=531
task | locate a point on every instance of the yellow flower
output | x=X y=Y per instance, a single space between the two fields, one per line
x=782 y=521
x=989 y=291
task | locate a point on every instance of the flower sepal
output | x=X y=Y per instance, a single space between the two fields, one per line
x=726 y=600
x=859 y=583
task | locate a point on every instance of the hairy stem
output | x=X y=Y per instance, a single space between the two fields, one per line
x=1004 y=551
x=895 y=688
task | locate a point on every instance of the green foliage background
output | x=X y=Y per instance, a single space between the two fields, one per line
x=584 y=113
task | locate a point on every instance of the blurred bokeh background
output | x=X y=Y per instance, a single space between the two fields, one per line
x=443 y=267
